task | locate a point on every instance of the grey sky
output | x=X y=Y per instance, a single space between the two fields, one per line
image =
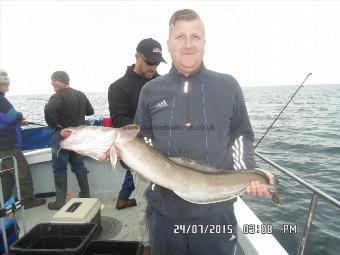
x=258 y=42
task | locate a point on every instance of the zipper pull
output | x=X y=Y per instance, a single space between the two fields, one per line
x=186 y=87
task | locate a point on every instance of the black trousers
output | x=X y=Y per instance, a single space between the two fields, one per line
x=201 y=236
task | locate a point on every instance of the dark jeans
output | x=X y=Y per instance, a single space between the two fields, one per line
x=215 y=234
x=25 y=177
x=61 y=157
x=127 y=187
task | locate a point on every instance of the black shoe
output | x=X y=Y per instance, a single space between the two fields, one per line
x=121 y=204
x=33 y=202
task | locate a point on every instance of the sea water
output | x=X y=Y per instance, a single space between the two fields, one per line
x=304 y=140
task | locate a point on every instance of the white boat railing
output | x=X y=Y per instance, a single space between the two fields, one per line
x=2 y=202
x=316 y=194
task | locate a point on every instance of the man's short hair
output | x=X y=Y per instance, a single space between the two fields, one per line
x=185 y=14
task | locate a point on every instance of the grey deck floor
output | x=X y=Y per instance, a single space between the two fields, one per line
x=127 y=218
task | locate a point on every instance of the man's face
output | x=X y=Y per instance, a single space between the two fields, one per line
x=4 y=87
x=57 y=85
x=145 y=68
x=186 y=45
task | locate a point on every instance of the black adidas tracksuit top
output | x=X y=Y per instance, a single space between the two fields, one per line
x=201 y=117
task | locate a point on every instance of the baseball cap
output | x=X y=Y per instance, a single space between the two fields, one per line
x=4 y=79
x=151 y=50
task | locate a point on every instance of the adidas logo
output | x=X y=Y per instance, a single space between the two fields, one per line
x=162 y=104
x=232 y=238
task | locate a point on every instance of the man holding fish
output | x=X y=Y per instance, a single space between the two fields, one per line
x=195 y=113
x=198 y=124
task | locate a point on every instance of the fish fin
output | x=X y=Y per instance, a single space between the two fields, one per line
x=198 y=199
x=197 y=165
x=188 y=198
x=128 y=133
x=113 y=156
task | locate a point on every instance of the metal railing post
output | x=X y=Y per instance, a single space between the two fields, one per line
x=2 y=202
x=22 y=209
x=316 y=194
x=308 y=224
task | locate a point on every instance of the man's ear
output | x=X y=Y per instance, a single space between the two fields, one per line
x=167 y=44
x=139 y=59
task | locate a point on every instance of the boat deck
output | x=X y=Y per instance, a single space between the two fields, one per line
x=105 y=184
x=124 y=221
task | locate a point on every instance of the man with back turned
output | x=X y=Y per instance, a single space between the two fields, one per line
x=66 y=108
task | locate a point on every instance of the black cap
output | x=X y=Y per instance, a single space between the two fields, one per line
x=151 y=50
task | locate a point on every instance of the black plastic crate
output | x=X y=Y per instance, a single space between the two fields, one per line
x=49 y=238
x=112 y=247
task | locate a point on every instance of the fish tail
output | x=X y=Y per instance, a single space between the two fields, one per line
x=273 y=192
x=275 y=198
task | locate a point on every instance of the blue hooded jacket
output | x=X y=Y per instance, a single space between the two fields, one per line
x=10 y=125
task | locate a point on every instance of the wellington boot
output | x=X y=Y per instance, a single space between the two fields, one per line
x=60 y=189
x=33 y=202
x=7 y=181
x=83 y=184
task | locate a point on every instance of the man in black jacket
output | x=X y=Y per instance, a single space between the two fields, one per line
x=10 y=143
x=207 y=121
x=66 y=108
x=123 y=101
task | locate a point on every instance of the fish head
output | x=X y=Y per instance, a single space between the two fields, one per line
x=91 y=141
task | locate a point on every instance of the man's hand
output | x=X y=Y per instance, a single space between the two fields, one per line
x=65 y=133
x=24 y=122
x=257 y=189
x=118 y=154
x=106 y=155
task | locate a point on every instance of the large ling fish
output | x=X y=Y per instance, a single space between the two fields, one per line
x=192 y=181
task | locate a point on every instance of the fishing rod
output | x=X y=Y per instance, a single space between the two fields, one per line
x=37 y=124
x=278 y=116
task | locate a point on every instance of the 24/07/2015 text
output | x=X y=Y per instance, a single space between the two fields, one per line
x=203 y=229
